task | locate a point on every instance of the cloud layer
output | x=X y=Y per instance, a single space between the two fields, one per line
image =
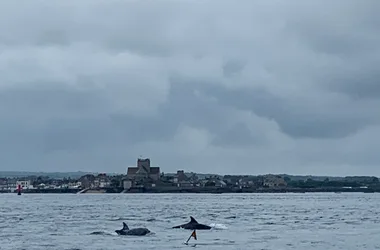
x=206 y=86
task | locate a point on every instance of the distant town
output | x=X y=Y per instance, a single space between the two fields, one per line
x=144 y=178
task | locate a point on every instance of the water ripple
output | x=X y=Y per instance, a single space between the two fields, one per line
x=240 y=221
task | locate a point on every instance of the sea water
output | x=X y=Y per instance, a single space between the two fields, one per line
x=240 y=221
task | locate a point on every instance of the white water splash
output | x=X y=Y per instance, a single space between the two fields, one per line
x=218 y=226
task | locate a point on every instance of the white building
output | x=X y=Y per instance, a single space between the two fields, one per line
x=24 y=184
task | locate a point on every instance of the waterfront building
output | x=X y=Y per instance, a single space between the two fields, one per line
x=143 y=170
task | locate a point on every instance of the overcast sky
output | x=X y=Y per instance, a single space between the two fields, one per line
x=227 y=87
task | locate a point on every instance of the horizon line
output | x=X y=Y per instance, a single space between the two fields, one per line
x=97 y=172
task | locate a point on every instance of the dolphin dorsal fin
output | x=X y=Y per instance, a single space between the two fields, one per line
x=125 y=226
x=193 y=220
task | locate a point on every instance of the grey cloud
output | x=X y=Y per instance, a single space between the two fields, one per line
x=287 y=86
x=237 y=136
x=49 y=100
x=184 y=106
x=358 y=83
x=232 y=67
x=53 y=37
x=77 y=134
x=312 y=118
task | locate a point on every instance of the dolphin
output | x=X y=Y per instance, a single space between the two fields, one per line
x=193 y=224
x=134 y=231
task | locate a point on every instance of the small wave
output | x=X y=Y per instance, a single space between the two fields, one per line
x=218 y=226
x=100 y=233
x=117 y=219
x=123 y=219
x=268 y=223
x=213 y=215
x=231 y=217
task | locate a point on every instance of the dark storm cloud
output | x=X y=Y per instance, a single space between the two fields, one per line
x=284 y=87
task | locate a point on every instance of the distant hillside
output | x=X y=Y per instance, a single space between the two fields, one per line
x=56 y=175
x=291 y=177
x=314 y=178
x=75 y=175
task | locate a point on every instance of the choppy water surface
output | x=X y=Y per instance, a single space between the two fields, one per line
x=241 y=221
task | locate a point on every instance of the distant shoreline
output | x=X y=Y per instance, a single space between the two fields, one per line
x=198 y=190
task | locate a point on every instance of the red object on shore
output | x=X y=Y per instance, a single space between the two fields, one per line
x=19 y=189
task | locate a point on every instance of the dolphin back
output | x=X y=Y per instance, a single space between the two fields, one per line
x=192 y=220
x=138 y=231
x=124 y=230
x=193 y=224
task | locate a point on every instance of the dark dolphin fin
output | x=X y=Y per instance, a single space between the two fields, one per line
x=125 y=226
x=192 y=220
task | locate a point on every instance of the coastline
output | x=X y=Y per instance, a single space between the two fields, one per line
x=199 y=190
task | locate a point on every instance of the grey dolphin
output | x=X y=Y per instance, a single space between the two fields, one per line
x=193 y=224
x=134 y=231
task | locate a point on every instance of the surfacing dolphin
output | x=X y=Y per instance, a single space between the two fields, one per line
x=134 y=231
x=193 y=224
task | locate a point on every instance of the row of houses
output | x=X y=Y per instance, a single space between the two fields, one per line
x=87 y=181
x=12 y=184
x=144 y=175
x=92 y=181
